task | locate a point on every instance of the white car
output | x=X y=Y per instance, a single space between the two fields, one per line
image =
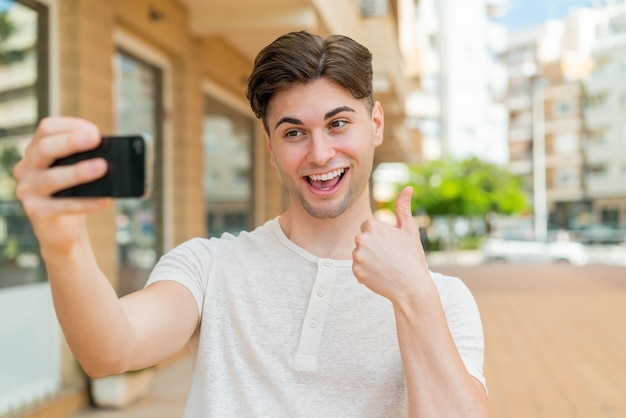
x=520 y=250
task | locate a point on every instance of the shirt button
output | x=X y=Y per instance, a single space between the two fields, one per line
x=320 y=292
x=328 y=262
x=312 y=323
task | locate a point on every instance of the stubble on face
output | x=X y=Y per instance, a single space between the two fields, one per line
x=330 y=208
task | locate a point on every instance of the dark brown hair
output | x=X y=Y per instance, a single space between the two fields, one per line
x=301 y=57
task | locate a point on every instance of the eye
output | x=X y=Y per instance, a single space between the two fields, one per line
x=337 y=124
x=293 y=134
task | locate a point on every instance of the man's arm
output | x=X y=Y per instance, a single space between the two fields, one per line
x=437 y=380
x=106 y=334
x=391 y=262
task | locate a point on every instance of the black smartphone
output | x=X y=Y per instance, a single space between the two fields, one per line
x=130 y=165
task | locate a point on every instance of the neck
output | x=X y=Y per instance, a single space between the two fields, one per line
x=328 y=237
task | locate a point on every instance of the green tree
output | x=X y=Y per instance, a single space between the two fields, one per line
x=468 y=188
x=9 y=156
x=8 y=29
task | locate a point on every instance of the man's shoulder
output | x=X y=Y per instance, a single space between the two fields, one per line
x=258 y=239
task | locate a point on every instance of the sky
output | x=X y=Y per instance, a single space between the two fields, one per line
x=527 y=13
x=4 y=4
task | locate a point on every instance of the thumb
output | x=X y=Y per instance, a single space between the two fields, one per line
x=403 y=208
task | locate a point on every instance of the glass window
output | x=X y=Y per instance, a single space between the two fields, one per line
x=597 y=137
x=29 y=344
x=597 y=172
x=596 y=101
x=138 y=94
x=566 y=178
x=564 y=107
x=609 y=217
x=227 y=142
x=23 y=102
x=565 y=143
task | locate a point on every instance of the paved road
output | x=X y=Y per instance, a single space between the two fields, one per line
x=555 y=338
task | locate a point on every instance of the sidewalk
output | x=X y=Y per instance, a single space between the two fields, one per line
x=165 y=400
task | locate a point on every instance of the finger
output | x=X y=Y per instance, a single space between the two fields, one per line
x=62 y=177
x=45 y=208
x=404 y=217
x=45 y=183
x=18 y=169
x=59 y=138
x=59 y=124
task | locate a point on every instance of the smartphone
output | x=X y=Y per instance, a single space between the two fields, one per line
x=130 y=165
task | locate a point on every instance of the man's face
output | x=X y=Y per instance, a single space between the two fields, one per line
x=322 y=141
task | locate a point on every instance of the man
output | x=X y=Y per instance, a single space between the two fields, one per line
x=321 y=312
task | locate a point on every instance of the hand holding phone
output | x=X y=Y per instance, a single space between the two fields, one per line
x=130 y=168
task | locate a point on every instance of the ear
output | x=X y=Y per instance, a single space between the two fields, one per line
x=378 y=123
x=268 y=144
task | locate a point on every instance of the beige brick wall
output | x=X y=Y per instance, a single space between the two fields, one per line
x=87 y=44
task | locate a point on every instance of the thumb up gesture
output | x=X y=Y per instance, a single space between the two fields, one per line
x=390 y=259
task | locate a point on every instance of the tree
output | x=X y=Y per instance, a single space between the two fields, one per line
x=467 y=188
x=7 y=30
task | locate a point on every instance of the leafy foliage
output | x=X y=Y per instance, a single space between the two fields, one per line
x=8 y=157
x=8 y=29
x=469 y=187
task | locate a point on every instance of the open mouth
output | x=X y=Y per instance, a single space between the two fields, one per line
x=326 y=181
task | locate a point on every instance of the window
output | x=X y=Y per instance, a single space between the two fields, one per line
x=597 y=172
x=596 y=101
x=139 y=227
x=227 y=142
x=23 y=102
x=565 y=143
x=566 y=178
x=30 y=368
x=609 y=217
x=564 y=108
x=597 y=137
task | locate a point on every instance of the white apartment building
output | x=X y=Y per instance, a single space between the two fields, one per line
x=473 y=121
x=457 y=107
x=605 y=116
x=567 y=104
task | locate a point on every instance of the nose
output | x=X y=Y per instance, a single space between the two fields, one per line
x=321 y=150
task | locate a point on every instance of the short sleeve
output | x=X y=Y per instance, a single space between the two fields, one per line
x=464 y=322
x=189 y=264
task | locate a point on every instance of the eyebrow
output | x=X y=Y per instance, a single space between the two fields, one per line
x=327 y=116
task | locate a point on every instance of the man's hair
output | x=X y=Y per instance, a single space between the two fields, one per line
x=301 y=57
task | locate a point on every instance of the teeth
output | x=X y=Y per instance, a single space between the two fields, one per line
x=327 y=176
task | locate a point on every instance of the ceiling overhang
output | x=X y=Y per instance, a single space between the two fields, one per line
x=247 y=25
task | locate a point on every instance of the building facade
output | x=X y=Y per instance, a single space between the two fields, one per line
x=176 y=70
x=566 y=130
x=473 y=117
x=547 y=67
x=605 y=112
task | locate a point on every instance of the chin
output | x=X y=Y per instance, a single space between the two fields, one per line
x=328 y=210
